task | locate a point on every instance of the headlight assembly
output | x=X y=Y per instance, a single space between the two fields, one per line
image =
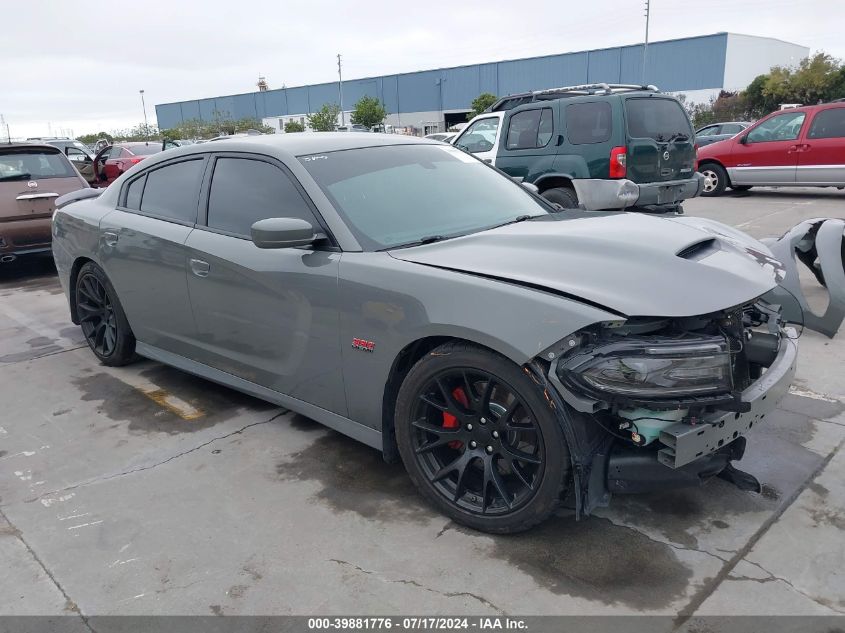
x=653 y=368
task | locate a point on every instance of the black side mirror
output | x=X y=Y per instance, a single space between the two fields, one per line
x=743 y=140
x=282 y=233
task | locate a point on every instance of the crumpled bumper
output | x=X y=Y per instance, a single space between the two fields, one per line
x=596 y=194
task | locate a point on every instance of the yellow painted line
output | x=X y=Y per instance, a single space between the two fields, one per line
x=172 y=403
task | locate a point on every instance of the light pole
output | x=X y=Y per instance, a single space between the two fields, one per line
x=645 y=46
x=146 y=127
x=340 y=90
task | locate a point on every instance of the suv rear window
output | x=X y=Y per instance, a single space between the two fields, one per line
x=34 y=164
x=656 y=118
x=588 y=123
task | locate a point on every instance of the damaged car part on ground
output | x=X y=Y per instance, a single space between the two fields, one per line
x=403 y=293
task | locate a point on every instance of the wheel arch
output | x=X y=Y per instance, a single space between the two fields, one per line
x=78 y=263
x=550 y=181
x=405 y=359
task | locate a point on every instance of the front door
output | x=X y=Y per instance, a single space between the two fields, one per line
x=142 y=249
x=821 y=160
x=481 y=137
x=268 y=316
x=768 y=153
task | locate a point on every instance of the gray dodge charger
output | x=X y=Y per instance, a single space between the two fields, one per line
x=404 y=293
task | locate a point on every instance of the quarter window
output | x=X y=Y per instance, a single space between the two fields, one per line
x=133 y=193
x=171 y=191
x=244 y=191
x=828 y=124
x=588 y=123
x=783 y=127
x=530 y=129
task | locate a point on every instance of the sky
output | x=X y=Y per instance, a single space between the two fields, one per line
x=74 y=68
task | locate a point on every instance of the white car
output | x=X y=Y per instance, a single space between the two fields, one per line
x=445 y=137
x=481 y=136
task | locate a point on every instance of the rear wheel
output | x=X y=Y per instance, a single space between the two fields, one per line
x=715 y=179
x=564 y=196
x=101 y=316
x=479 y=440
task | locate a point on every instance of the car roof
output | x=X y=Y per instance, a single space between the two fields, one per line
x=303 y=143
x=29 y=145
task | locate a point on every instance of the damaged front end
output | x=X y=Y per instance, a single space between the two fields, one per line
x=657 y=403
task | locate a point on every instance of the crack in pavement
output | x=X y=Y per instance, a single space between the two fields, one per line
x=70 y=605
x=774 y=578
x=709 y=588
x=672 y=545
x=404 y=581
x=156 y=465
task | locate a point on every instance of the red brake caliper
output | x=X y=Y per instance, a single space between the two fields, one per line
x=450 y=421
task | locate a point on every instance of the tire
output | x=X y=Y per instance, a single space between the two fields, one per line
x=715 y=179
x=102 y=318
x=564 y=196
x=500 y=464
x=740 y=187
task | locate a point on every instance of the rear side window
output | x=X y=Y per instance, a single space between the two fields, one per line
x=828 y=124
x=530 y=129
x=244 y=191
x=133 y=193
x=588 y=123
x=656 y=118
x=171 y=191
x=33 y=164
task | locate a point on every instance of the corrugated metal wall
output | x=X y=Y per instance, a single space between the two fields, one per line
x=676 y=65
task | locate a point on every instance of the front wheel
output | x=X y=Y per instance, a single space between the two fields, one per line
x=715 y=180
x=101 y=316
x=480 y=441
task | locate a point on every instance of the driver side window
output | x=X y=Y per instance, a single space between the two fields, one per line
x=783 y=127
x=480 y=136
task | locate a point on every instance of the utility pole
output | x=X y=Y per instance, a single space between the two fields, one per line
x=645 y=46
x=146 y=127
x=340 y=90
x=3 y=124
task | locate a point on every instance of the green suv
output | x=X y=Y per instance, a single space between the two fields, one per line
x=598 y=146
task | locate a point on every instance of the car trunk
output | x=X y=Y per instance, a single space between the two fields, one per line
x=20 y=201
x=660 y=140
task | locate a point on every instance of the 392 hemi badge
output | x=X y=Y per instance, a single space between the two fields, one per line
x=367 y=346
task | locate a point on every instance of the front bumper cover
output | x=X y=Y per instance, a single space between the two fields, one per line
x=686 y=443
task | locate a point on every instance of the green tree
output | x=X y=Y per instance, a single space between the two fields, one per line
x=90 y=139
x=816 y=79
x=294 y=126
x=481 y=103
x=368 y=112
x=324 y=119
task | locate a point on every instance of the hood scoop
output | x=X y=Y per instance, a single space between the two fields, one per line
x=699 y=250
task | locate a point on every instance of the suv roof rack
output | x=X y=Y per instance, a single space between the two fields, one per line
x=511 y=101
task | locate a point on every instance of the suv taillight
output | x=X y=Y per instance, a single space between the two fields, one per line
x=618 y=161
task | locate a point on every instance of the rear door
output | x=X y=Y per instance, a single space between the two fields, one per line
x=661 y=143
x=268 y=316
x=481 y=137
x=142 y=247
x=821 y=156
x=526 y=149
x=768 y=153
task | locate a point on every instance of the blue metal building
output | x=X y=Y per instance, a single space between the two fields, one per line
x=697 y=66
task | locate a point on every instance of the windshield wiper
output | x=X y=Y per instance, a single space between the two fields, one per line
x=519 y=218
x=17 y=177
x=428 y=239
x=678 y=136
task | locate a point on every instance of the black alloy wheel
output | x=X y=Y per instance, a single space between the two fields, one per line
x=96 y=315
x=480 y=440
x=101 y=316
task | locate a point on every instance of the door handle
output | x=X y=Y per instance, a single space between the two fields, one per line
x=110 y=238
x=489 y=161
x=200 y=268
x=792 y=149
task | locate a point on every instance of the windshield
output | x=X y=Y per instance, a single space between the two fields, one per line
x=145 y=150
x=399 y=194
x=656 y=118
x=34 y=164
